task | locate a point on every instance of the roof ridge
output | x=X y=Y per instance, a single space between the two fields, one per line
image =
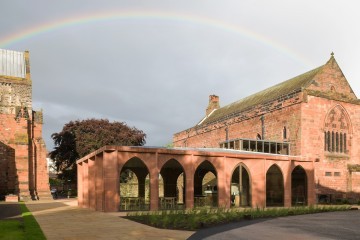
x=271 y=93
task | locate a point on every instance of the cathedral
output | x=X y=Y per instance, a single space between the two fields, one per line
x=23 y=167
x=314 y=116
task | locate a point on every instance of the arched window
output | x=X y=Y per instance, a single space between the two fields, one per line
x=284 y=133
x=337 y=126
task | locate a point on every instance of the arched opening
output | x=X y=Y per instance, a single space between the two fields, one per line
x=274 y=187
x=133 y=184
x=171 y=186
x=205 y=186
x=298 y=186
x=240 y=187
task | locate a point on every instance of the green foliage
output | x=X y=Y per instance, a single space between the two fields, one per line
x=205 y=217
x=79 y=138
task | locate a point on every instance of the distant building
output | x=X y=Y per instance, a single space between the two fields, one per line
x=23 y=167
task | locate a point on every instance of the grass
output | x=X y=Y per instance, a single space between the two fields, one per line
x=27 y=229
x=200 y=218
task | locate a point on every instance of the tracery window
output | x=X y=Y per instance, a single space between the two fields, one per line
x=336 y=129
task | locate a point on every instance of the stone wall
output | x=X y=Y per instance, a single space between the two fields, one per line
x=22 y=149
x=282 y=112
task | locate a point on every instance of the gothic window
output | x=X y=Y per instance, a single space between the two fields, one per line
x=336 y=128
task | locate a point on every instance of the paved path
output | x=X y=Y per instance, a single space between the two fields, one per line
x=331 y=225
x=62 y=219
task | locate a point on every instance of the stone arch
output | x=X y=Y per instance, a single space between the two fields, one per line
x=299 y=186
x=274 y=186
x=136 y=199
x=337 y=130
x=205 y=185
x=240 y=186
x=173 y=176
x=339 y=116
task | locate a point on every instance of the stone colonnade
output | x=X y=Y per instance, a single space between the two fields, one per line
x=99 y=174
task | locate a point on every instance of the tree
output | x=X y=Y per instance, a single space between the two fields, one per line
x=79 y=138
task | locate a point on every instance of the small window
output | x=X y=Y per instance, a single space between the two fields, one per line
x=328 y=174
x=332 y=88
x=284 y=133
x=258 y=136
x=337 y=174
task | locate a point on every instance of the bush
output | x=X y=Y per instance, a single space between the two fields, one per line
x=205 y=217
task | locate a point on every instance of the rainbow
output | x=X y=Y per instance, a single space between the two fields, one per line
x=148 y=15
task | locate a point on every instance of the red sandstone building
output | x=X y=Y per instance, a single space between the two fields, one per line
x=294 y=143
x=23 y=170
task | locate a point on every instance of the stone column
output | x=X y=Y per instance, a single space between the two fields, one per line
x=99 y=182
x=111 y=182
x=80 y=183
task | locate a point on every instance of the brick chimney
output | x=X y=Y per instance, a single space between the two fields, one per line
x=213 y=104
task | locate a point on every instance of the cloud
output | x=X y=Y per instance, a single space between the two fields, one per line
x=157 y=74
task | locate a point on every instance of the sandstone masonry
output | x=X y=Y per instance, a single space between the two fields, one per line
x=23 y=168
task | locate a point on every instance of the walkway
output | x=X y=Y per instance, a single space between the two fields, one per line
x=62 y=219
x=332 y=225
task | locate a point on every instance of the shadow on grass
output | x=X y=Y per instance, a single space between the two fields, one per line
x=32 y=229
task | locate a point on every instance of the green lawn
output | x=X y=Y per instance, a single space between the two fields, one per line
x=28 y=229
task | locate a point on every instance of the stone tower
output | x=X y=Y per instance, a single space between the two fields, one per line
x=23 y=168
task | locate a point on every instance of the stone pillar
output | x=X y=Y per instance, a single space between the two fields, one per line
x=111 y=182
x=189 y=189
x=258 y=183
x=311 y=195
x=99 y=182
x=86 y=184
x=91 y=183
x=287 y=185
x=154 y=189
x=223 y=186
x=80 y=183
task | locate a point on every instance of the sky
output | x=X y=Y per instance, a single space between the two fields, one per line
x=153 y=64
